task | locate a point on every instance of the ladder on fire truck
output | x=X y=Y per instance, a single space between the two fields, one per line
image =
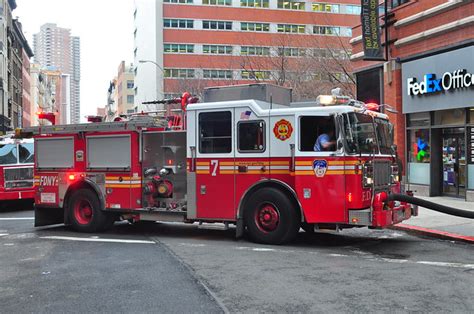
x=138 y=121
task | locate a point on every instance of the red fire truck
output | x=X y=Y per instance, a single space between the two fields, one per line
x=245 y=156
x=16 y=170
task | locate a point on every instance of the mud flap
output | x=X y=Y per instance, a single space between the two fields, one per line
x=48 y=216
x=239 y=230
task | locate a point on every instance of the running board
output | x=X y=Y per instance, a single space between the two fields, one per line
x=213 y=226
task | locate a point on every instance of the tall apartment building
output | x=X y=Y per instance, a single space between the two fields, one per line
x=125 y=89
x=303 y=44
x=54 y=46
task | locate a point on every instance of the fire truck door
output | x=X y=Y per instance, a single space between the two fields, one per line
x=251 y=150
x=320 y=169
x=215 y=186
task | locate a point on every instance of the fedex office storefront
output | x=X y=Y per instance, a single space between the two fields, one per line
x=438 y=102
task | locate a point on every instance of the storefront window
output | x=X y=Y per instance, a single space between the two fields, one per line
x=419 y=157
x=450 y=117
x=471 y=116
x=419 y=119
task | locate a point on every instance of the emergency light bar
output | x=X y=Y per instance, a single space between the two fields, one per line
x=331 y=100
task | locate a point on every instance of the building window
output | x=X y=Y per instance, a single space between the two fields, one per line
x=178 y=48
x=178 y=1
x=419 y=156
x=291 y=5
x=254 y=27
x=291 y=28
x=292 y=52
x=220 y=25
x=217 y=49
x=353 y=9
x=324 y=7
x=332 y=30
x=217 y=2
x=255 y=75
x=396 y=3
x=177 y=23
x=254 y=51
x=130 y=84
x=250 y=135
x=217 y=74
x=255 y=3
x=130 y=99
x=179 y=73
x=215 y=132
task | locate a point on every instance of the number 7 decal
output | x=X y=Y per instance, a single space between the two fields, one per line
x=214 y=166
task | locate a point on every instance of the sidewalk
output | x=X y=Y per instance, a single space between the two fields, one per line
x=433 y=223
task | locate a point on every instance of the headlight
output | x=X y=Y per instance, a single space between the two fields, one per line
x=367 y=175
x=394 y=176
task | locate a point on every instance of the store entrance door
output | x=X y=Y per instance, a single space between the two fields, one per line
x=454 y=162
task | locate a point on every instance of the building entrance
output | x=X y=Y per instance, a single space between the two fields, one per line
x=454 y=162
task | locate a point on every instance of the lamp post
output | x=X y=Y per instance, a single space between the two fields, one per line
x=159 y=67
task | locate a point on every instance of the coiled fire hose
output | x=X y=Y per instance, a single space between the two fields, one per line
x=430 y=205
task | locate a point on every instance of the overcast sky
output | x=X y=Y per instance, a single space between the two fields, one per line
x=106 y=31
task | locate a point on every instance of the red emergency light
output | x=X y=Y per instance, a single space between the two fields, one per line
x=50 y=116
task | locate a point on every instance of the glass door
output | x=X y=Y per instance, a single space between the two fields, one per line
x=454 y=164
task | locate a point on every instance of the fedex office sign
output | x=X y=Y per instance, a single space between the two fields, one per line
x=448 y=81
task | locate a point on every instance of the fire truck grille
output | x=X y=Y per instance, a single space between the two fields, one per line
x=382 y=173
x=18 y=177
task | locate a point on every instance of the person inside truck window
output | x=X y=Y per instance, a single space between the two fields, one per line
x=325 y=141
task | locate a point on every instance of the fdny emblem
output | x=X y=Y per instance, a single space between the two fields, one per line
x=283 y=130
x=320 y=167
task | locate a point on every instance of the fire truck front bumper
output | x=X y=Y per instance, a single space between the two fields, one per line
x=383 y=213
x=386 y=213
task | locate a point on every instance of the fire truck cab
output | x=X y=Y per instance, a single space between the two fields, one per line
x=245 y=156
x=16 y=169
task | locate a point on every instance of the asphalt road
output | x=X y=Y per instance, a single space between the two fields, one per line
x=180 y=268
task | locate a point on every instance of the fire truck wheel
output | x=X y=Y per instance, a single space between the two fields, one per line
x=85 y=214
x=271 y=217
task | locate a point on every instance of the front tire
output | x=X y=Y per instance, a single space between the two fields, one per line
x=85 y=214
x=271 y=217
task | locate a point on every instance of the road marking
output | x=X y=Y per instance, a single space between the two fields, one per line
x=3 y=234
x=17 y=218
x=98 y=240
x=261 y=249
x=444 y=264
x=359 y=253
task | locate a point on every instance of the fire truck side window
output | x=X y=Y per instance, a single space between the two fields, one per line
x=311 y=127
x=8 y=154
x=251 y=136
x=26 y=152
x=215 y=132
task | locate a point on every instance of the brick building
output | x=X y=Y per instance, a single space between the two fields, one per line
x=429 y=78
x=197 y=43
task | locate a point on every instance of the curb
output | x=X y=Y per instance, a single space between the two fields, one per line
x=434 y=233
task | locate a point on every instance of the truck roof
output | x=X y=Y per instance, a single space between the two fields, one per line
x=262 y=108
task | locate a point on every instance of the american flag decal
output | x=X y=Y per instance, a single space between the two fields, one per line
x=245 y=115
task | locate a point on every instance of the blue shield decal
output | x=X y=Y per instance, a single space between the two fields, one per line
x=320 y=167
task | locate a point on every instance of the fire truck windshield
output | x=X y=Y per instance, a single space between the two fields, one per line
x=364 y=135
x=384 y=135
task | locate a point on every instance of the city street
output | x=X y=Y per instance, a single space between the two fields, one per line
x=180 y=268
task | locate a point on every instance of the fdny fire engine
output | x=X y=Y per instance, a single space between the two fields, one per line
x=16 y=169
x=244 y=156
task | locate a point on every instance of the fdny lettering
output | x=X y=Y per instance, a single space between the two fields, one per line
x=48 y=180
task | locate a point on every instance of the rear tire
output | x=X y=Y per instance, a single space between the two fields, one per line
x=85 y=214
x=271 y=217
